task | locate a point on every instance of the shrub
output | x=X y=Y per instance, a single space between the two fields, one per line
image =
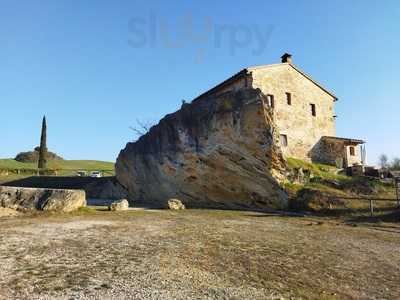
x=33 y=156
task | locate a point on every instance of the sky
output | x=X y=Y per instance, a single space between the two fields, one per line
x=96 y=67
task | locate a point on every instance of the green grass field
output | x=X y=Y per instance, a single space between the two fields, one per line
x=64 y=167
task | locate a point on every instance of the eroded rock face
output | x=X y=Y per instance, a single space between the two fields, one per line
x=215 y=152
x=41 y=199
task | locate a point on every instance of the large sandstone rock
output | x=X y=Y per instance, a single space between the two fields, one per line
x=41 y=199
x=215 y=152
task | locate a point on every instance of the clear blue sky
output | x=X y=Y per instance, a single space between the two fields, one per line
x=94 y=67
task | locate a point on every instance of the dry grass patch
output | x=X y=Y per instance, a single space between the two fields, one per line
x=196 y=254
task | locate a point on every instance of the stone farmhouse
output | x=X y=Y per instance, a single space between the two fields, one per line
x=303 y=112
x=226 y=148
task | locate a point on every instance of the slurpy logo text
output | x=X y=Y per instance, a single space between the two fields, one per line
x=156 y=31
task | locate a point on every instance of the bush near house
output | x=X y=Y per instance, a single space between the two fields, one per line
x=325 y=187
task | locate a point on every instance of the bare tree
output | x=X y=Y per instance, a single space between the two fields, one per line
x=383 y=161
x=141 y=128
x=395 y=165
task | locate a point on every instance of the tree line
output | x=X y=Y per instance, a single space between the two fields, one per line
x=393 y=165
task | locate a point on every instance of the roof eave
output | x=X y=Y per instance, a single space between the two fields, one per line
x=349 y=140
x=314 y=81
x=247 y=70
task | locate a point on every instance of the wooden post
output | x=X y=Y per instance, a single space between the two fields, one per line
x=397 y=187
x=371 y=207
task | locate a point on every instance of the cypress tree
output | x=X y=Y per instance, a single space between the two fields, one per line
x=42 y=164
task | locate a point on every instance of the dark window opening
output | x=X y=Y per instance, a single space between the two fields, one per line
x=289 y=98
x=283 y=139
x=271 y=101
x=352 y=151
x=313 y=111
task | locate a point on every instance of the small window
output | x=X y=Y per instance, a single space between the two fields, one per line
x=352 y=151
x=283 y=139
x=271 y=101
x=289 y=98
x=313 y=111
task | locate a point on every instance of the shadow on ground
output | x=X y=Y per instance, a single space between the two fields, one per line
x=58 y=182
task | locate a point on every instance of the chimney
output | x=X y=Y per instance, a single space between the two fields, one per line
x=286 y=58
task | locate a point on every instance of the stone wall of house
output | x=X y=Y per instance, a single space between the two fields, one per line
x=235 y=85
x=303 y=130
x=331 y=152
x=356 y=158
x=336 y=152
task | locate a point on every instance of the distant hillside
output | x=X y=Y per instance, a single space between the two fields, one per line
x=66 y=167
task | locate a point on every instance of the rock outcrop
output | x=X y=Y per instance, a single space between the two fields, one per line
x=26 y=199
x=215 y=152
x=315 y=201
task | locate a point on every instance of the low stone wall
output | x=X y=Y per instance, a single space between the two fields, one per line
x=41 y=199
x=98 y=188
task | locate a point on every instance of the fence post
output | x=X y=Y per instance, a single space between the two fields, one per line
x=397 y=187
x=371 y=207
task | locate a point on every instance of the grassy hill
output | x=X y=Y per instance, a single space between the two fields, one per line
x=64 y=167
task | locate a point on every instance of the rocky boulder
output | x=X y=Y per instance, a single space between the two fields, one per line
x=175 y=204
x=122 y=204
x=41 y=199
x=218 y=151
x=316 y=201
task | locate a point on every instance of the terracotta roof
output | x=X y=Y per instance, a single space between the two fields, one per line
x=245 y=71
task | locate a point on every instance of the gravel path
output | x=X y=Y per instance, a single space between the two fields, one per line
x=196 y=254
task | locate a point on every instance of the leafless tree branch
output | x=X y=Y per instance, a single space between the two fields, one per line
x=141 y=128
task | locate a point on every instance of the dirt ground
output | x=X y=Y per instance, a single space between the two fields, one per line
x=8 y=212
x=199 y=254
